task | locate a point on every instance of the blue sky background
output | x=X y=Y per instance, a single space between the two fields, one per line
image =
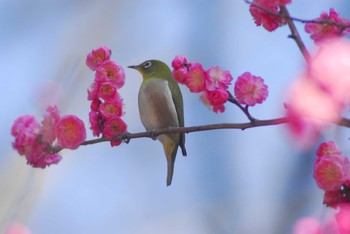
x=252 y=181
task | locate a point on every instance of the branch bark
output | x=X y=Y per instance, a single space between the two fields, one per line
x=295 y=34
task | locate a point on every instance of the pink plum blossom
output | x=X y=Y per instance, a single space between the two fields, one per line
x=70 y=132
x=107 y=91
x=195 y=78
x=95 y=104
x=215 y=99
x=25 y=129
x=269 y=21
x=181 y=68
x=29 y=142
x=218 y=78
x=109 y=109
x=110 y=71
x=98 y=56
x=49 y=124
x=96 y=123
x=180 y=75
x=331 y=172
x=325 y=31
x=250 y=90
x=179 y=61
x=328 y=149
x=114 y=127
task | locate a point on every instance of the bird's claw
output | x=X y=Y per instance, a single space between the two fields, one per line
x=153 y=134
x=126 y=140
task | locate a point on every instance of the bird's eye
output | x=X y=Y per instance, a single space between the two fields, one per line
x=147 y=64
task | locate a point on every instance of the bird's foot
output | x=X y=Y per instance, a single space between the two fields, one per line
x=126 y=140
x=153 y=134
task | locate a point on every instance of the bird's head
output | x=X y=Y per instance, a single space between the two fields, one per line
x=152 y=69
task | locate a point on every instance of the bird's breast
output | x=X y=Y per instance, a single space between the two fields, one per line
x=156 y=105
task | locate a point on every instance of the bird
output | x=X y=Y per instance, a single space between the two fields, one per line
x=160 y=105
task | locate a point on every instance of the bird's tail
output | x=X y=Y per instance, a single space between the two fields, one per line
x=169 y=177
x=170 y=150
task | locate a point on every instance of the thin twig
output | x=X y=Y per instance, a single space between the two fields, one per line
x=243 y=109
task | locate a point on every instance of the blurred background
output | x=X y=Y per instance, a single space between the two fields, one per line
x=233 y=181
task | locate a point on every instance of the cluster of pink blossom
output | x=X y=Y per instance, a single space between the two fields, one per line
x=106 y=103
x=212 y=84
x=322 y=91
x=332 y=174
x=36 y=141
x=325 y=31
x=266 y=13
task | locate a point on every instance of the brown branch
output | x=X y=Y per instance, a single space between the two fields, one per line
x=126 y=137
x=153 y=134
x=295 y=34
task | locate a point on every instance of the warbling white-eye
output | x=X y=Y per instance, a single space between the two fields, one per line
x=161 y=106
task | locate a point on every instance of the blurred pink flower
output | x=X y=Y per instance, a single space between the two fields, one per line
x=17 y=228
x=343 y=219
x=307 y=225
x=310 y=109
x=330 y=67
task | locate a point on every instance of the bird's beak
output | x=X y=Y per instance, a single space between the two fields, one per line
x=134 y=67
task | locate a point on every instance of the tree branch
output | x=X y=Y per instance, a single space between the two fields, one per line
x=295 y=34
x=154 y=133
x=126 y=137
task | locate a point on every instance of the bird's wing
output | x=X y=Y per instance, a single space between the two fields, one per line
x=176 y=92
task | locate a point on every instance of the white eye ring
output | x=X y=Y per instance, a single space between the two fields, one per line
x=147 y=64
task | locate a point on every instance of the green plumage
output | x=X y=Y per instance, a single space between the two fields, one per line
x=160 y=106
